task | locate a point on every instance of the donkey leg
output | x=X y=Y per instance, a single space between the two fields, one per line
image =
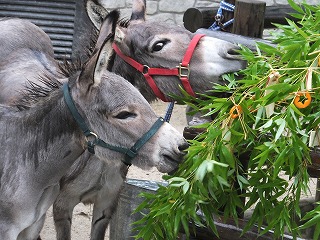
x=33 y=232
x=106 y=203
x=102 y=211
x=62 y=216
x=73 y=185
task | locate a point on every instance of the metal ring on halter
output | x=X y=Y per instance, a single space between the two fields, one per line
x=218 y=25
x=91 y=134
x=218 y=18
x=145 y=69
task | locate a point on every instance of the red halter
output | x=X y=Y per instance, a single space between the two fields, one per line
x=182 y=71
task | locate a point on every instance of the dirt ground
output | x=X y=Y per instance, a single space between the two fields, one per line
x=82 y=213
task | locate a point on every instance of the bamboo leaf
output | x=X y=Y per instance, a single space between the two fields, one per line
x=316 y=233
x=313 y=221
x=295 y=6
x=223 y=182
x=295 y=109
x=158 y=230
x=267 y=124
x=177 y=221
x=185 y=226
x=228 y=156
x=282 y=124
x=201 y=171
x=185 y=187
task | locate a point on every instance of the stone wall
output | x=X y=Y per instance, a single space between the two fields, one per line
x=172 y=10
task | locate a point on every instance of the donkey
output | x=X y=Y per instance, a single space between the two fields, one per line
x=49 y=128
x=156 y=46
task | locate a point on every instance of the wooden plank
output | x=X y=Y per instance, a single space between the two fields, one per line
x=229 y=230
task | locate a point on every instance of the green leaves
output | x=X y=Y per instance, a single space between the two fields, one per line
x=282 y=124
x=180 y=182
x=313 y=219
x=261 y=155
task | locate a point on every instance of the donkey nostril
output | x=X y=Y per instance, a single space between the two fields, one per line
x=234 y=51
x=183 y=146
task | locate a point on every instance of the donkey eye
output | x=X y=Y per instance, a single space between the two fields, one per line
x=125 y=115
x=159 y=45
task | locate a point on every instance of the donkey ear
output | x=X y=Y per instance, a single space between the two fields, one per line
x=98 y=63
x=96 y=13
x=108 y=27
x=104 y=44
x=138 y=10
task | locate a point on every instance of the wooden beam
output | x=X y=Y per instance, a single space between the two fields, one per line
x=195 y=18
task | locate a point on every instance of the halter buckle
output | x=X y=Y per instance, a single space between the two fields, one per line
x=184 y=71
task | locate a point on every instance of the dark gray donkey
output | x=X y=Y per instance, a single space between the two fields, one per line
x=46 y=130
x=159 y=49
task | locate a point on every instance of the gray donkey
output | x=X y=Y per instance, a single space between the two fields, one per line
x=47 y=129
x=154 y=45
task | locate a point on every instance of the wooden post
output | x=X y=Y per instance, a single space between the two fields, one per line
x=248 y=21
x=317 y=197
x=249 y=18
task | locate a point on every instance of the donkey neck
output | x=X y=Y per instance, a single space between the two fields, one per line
x=45 y=137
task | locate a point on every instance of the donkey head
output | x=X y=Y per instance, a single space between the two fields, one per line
x=160 y=45
x=119 y=114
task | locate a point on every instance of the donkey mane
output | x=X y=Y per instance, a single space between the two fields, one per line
x=70 y=68
x=34 y=92
x=125 y=22
x=44 y=86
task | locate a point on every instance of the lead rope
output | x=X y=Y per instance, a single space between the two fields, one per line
x=169 y=110
x=218 y=25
